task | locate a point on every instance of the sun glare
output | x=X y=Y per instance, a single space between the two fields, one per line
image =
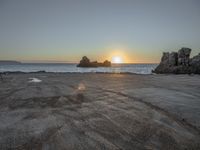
x=117 y=60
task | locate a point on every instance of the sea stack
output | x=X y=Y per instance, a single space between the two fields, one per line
x=85 y=62
x=179 y=62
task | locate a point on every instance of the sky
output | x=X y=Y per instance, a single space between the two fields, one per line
x=138 y=31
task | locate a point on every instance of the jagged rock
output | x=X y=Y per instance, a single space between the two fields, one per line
x=173 y=59
x=179 y=63
x=165 y=58
x=184 y=56
x=85 y=62
x=195 y=60
x=195 y=63
x=168 y=60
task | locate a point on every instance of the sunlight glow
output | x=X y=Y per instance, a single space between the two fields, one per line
x=117 y=60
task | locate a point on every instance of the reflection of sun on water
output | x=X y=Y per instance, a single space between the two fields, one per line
x=117 y=60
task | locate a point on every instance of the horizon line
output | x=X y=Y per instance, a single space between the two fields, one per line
x=71 y=62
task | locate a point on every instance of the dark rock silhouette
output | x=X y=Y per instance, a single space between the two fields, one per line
x=9 y=62
x=179 y=62
x=173 y=57
x=195 y=63
x=184 y=56
x=107 y=63
x=85 y=62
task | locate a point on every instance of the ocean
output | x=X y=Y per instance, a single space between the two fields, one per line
x=55 y=67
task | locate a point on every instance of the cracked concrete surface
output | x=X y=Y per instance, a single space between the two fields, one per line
x=99 y=111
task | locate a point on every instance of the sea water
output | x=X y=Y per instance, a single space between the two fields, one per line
x=55 y=67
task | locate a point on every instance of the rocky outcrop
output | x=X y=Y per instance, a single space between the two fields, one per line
x=179 y=62
x=85 y=62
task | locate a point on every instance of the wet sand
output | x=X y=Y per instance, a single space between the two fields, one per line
x=99 y=111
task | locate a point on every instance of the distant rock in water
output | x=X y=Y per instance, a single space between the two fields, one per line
x=9 y=62
x=179 y=62
x=85 y=62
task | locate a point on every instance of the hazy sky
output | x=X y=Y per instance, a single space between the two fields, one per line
x=65 y=30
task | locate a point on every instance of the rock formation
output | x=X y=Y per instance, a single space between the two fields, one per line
x=179 y=62
x=85 y=62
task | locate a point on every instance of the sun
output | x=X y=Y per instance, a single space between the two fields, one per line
x=117 y=60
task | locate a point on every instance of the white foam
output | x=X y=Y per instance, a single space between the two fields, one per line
x=34 y=80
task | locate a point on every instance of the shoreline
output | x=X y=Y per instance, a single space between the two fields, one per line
x=128 y=73
x=117 y=68
x=43 y=72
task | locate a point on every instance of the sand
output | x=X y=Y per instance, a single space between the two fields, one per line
x=99 y=111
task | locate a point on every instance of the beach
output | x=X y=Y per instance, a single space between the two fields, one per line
x=99 y=111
